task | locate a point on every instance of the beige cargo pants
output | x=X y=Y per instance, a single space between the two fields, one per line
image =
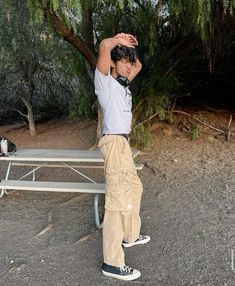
x=122 y=199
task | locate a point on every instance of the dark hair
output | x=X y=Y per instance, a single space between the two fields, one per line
x=123 y=52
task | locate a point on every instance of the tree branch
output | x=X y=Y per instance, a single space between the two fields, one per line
x=13 y=109
x=70 y=36
x=147 y=119
x=206 y=124
x=228 y=128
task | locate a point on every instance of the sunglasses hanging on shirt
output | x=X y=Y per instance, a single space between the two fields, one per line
x=123 y=80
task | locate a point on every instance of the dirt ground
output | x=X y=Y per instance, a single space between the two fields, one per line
x=188 y=209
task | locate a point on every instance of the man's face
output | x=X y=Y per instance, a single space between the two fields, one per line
x=122 y=68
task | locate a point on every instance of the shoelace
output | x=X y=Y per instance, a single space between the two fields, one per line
x=126 y=269
x=141 y=237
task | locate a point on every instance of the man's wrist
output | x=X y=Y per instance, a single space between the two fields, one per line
x=109 y=43
x=115 y=41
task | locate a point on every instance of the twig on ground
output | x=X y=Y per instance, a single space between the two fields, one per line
x=147 y=119
x=228 y=128
x=147 y=164
x=46 y=229
x=74 y=200
x=88 y=235
x=83 y=238
x=203 y=123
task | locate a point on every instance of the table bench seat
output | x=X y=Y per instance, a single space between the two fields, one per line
x=138 y=166
x=53 y=186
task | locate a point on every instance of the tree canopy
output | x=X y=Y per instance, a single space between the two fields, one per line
x=182 y=44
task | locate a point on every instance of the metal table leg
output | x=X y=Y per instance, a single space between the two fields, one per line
x=3 y=191
x=97 y=216
x=96 y=197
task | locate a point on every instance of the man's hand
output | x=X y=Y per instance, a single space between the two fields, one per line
x=127 y=40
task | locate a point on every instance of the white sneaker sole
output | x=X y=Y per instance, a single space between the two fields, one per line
x=126 y=245
x=124 y=277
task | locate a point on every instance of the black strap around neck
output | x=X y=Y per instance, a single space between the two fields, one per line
x=123 y=80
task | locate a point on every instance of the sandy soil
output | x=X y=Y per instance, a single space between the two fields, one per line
x=188 y=208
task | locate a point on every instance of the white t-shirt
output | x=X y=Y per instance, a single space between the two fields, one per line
x=116 y=103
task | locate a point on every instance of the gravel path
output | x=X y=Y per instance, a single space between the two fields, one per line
x=188 y=208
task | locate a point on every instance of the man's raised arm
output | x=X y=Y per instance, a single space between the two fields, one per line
x=104 y=58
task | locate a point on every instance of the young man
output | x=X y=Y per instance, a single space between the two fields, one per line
x=117 y=65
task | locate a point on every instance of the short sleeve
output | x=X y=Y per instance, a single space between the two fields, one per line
x=102 y=85
x=101 y=80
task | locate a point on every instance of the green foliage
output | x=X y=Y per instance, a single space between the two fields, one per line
x=195 y=132
x=142 y=138
x=83 y=103
x=170 y=118
x=206 y=18
x=69 y=10
x=169 y=33
x=55 y=4
x=35 y=64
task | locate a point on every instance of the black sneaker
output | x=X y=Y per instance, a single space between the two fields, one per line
x=123 y=273
x=142 y=239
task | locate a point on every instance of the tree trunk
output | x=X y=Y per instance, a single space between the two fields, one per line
x=32 y=128
x=87 y=25
x=99 y=130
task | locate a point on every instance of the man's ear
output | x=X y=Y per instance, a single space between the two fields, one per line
x=113 y=64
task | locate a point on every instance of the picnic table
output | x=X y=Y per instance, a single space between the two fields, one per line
x=75 y=160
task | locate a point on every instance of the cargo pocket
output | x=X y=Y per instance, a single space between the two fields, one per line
x=104 y=140
x=118 y=193
x=136 y=182
x=102 y=145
